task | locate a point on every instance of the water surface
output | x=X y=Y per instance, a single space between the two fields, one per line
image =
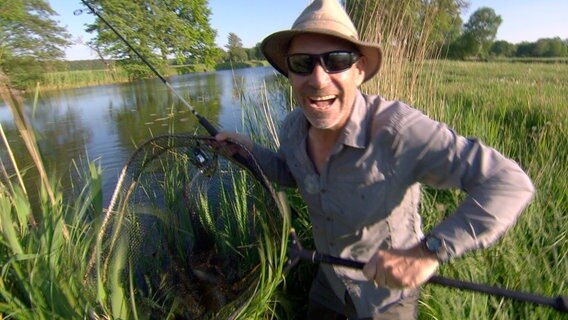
x=106 y=123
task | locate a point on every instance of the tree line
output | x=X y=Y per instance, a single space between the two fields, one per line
x=542 y=48
x=439 y=22
x=477 y=39
x=179 y=32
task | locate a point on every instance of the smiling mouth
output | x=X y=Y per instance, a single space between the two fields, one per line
x=322 y=101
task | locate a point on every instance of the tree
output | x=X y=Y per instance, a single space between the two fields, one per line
x=524 y=49
x=482 y=27
x=258 y=51
x=445 y=22
x=550 y=48
x=158 y=30
x=30 y=40
x=254 y=53
x=235 y=48
x=502 y=49
x=463 y=47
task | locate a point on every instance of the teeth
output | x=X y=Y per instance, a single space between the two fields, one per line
x=323 y=98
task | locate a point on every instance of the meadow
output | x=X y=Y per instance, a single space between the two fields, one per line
x=520 y=109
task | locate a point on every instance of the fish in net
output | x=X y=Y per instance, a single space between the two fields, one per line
x=195 y=228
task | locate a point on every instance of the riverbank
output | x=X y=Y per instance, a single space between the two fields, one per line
x=101 y=76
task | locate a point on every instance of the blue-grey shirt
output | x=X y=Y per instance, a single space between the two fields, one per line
x=367 y=195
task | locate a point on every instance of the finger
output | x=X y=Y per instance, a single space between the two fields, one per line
x=222 y=136
x=385 y=280
x=370 y=269
x=393 y=282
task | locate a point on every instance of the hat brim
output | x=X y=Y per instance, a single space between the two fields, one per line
x=275 y=47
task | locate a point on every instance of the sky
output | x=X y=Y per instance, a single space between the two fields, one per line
x=252 y=20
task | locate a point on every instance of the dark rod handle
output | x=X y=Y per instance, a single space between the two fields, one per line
x=207 y=125
x=559 y=303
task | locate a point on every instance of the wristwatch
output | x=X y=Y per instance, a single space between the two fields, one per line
x=436 y=246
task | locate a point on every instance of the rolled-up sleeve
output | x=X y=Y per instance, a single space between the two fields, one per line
x=498 y=190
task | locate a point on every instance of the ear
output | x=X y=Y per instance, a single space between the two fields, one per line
x=360 y=70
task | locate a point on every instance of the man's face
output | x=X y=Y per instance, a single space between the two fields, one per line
x=326 y=98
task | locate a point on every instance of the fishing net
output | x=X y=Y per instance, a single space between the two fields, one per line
x=193 y=228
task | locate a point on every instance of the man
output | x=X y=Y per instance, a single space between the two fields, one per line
x=358 y=161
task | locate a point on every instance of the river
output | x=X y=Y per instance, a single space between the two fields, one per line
x=104 y=124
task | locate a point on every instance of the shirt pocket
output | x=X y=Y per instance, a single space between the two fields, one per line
x=359 y=176
x=360 y=200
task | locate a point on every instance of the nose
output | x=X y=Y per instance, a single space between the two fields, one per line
x=319 y=78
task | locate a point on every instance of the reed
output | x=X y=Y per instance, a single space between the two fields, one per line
x=41 y=267
x=406 y=43
x=82 y=78
x=44 y=249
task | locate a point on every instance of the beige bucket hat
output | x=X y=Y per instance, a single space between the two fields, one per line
x=325 y=17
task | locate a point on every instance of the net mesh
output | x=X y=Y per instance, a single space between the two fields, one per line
x=198 y=227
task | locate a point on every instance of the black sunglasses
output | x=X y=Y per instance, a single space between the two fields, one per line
x=332 y=62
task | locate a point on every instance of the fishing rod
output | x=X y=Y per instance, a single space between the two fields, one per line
x=206 y=124
x=202 y=120
x=297 y=252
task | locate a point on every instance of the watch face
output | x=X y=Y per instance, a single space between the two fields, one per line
x=433 y=244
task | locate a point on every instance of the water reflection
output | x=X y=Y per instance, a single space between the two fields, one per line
x=106 y=123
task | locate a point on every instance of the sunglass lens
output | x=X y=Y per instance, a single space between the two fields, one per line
x=338 y=61
x=301 y=63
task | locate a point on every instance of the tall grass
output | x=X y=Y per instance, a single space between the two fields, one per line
x=405 y=38
x=41 y=268
x=44 y=250
x=521 y=110
x=82 y=78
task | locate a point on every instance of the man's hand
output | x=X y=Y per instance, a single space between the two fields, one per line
x=227 y=148
x=397 y=268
